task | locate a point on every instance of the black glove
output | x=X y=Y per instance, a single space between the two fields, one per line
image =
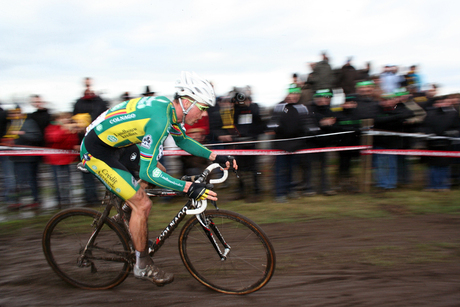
x=222 y=160
x=197 y=191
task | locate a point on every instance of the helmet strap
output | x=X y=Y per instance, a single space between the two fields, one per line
x=184 y=112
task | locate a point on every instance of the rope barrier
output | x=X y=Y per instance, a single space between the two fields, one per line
x=364 y=150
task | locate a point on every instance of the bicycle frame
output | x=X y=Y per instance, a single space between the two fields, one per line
x=189 y=208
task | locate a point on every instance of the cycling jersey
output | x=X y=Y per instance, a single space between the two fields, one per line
x=147 y=122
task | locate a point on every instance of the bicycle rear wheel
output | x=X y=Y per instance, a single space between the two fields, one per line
x=247 y=267
x=102 y=264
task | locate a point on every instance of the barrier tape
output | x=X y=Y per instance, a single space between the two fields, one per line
x=365 y=150
x=36 y=152
x=279 y=140
x=414 y=135
x=413 y=152
x=267 y=152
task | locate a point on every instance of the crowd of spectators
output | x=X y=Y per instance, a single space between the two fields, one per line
x=396 y=102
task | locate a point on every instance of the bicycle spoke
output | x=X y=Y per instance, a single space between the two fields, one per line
x=100 y=264
x=248 y=266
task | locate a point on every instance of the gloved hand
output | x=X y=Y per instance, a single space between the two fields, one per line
x=222 y=160
x=197 y=191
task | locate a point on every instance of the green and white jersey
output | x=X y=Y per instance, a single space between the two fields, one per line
x=147 y=121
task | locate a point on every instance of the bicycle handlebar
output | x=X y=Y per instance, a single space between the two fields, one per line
x=201 y=205
x=202 y=178
x=218 y=180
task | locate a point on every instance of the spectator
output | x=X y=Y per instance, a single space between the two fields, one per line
x=25 y=131
x=9 y=181
x=326 y=120
x=148 y=92
x=249 y=124
x=93 y=105
x=307 y=89
x=62 y=133
x=390 y=81
x=323 y=77
x=41 y=116
x=348 y=119
x=125 y=96
x=367 y=106
x=410 y=125
x=193 y=165
x=391 y=116
x=90 y=103
x=430 y=93
x=221 y=121
x=347 y=78
x=412 y=78
x=442 y=120
x=363 y=74
x=290 y=120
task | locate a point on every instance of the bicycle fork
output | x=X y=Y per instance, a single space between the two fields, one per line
x=209 y=228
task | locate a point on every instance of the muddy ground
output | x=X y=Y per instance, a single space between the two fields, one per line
x=399 y=261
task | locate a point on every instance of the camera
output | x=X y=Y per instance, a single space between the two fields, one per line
x=239 y=98
x=240 y=95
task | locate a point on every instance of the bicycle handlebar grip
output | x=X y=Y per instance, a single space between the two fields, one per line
x=212 y=167
x=199 y=210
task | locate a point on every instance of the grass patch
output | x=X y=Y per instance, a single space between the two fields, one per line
x=399 y=202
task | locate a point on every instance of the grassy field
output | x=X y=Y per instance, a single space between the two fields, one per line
x=400 y=202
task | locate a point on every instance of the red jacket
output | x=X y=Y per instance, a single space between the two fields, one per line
x=58 y=138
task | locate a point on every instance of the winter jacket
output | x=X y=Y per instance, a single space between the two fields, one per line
x=391 y=119
x=31 y=137
x=441 y=121
x=58 y=138
x=323 y=77
x=292 y=120
x=347 y=79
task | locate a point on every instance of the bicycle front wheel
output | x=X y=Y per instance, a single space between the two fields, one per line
x=248 y=264
x=83 y=256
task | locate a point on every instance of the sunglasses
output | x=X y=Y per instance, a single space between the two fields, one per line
x=200 y=107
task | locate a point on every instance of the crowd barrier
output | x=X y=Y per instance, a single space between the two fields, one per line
x=364 y=149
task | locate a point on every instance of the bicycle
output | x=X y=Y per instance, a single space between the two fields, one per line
x=223 y=250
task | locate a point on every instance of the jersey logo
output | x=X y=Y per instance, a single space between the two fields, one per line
x=133 y=156
x=156 y=173
x=112 y=138
x=147 y=141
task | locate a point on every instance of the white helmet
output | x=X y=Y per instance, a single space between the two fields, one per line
x=193 y=86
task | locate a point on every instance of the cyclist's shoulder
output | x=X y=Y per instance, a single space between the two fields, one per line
x=152 y=104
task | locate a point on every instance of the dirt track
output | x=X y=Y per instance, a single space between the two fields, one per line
x=402 y=261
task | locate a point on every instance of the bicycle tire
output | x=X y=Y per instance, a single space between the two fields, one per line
x=66 y=235
x=247 y=268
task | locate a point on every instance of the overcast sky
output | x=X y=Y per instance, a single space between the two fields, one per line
x=49 y=46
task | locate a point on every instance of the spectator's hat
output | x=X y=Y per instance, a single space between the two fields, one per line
x=148 y=92
x=125 y=96
x=294 y=89
x=350 y=98
x=401 y=92
x=324 y=93
x=83 y=120
x=388 y=96
x=365 y=83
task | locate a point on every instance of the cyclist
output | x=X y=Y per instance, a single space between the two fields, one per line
x=109 y=151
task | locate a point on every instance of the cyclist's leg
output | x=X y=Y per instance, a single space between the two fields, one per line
x=118 y=179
